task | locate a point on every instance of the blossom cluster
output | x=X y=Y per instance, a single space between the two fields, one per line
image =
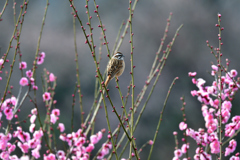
x=216 y=100
x=77 y=140
x=9 y=105
x=23 y=65
x=31 y=142
x=24 y=142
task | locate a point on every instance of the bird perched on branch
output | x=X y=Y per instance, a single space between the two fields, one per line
x=115 y=67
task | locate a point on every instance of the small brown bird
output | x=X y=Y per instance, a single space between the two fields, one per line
x=115 y=67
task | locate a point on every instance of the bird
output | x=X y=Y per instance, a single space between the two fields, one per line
x=115 y=67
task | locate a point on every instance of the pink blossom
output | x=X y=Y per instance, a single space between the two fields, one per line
x=41 y=57
x=99 y=135
x=1 y=61
x=177 y=153
x=23 y=81
x=80 y=141
x=56 y=112
x=192 y=74
x=194 y=81
x=194 y=93
x=6 y=103
x=215 y=103
x=225 y=116
x=62 y=137
x=32 y=128
x=46 y=96
x=213 y=73
x=33 y=118
x=11 y=147
x=24 y=136
x=107 y=145
x=13 y=100
x=24 y=158
x=236 y=121
x=213 y=137
x=150 y=142
x=61 y=127
x=231 y=147
x=205 y=98
x=32 y=80
x=227 y=105
x=40 y=60
x=229 y=129
x=34 y=111
x=51 y=77
x=233 y=88
x=35 y=87
x=69 y=136
x=22 y=65
x=29 y=73
x=215 y=147
x=211 y=90
x=8 y=113
x=24 y=147
x=4 y=155
x=214 y=67
x=233 y=72
x=42 y=54
x=80 y=132
x=3 y=142
x=38 y=134
x=85 y=156
x=205 y=112
x=13 y=157
x=202 y=156
x=89 y=148
x=93 y=139
x=9 y=136
x=234 y=158
x=182 y=126
x=60 y=153
x=53 y=118
x=33 y=143
x=105 y=151
x=133 y=154
x=50 y=157
x=205 y=156
x=100 y=155
x=105 y=148
x=200 y=137
x=35 y=152
x=185 y=148
x=16 y=133
x=190 y=132
x=200 y=82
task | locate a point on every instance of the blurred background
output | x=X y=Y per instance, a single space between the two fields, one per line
x=189 y=53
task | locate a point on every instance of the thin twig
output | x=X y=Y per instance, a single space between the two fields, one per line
x=160 y=118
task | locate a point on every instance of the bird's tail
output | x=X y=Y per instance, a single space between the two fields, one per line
x=107 y=80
